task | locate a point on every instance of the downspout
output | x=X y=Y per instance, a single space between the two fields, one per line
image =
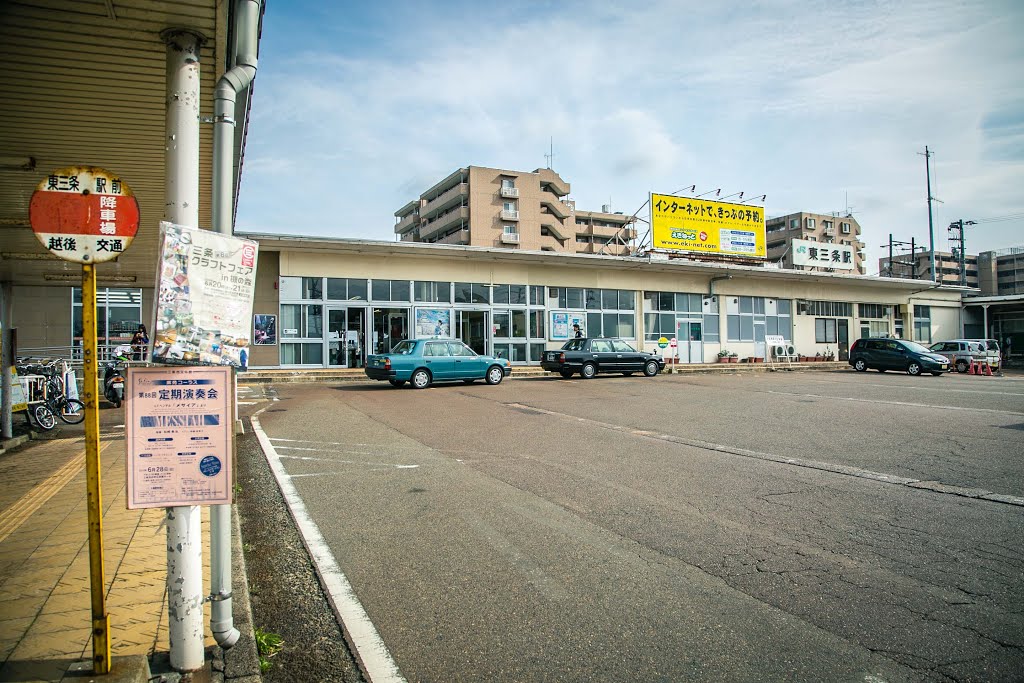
x=712 y=281
x=234 y=81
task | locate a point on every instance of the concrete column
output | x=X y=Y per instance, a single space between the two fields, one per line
x=185 y=596
x=7 y=362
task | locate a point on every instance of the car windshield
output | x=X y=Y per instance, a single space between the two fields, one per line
x=403 y=348
x=992 y=344
x=917 y=348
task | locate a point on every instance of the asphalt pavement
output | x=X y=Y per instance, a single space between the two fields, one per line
x=792 y=525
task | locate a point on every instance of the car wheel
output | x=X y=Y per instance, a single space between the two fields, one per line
x=420 y=379
x=962 y=366
x=495 y=375
x=914 y=369
x=566 y=374
x=397 y=382
x=860 y=365
x=588 y=371
x=651 y=369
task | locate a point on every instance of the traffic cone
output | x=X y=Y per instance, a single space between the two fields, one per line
x=988 y=369
x=970 y=366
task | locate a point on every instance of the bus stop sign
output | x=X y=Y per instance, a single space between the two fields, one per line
x=84 y=214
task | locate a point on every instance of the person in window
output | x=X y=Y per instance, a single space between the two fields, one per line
x=140 y=340
x=576 y=331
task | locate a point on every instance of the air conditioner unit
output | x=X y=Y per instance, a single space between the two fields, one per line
x=801 y=307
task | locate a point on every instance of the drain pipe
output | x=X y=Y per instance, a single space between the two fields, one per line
x=234 y=81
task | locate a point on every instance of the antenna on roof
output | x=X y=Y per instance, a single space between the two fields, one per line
x=550 y=156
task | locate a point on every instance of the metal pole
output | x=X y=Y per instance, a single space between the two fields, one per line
x=890 y=254
x=931 y=230
x=184 y=532
x=100 y=618
x=913 y=259
x=6 y=363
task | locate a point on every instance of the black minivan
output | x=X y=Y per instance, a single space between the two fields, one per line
x=896 y=354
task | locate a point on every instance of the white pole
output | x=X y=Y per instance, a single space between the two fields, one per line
x=184 y=533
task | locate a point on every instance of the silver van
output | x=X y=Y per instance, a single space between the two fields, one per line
x=961 y=352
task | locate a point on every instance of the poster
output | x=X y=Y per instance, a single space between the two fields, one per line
x=178 y=431
x=205 y=285
x=264 y=329
x=433 y=322
x=563 y=325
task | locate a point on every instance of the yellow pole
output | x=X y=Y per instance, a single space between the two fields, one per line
x=100 y=618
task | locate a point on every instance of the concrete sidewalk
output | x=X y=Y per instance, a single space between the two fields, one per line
x=45 y=616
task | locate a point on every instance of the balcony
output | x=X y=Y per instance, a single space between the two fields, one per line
x=557 y=207
x=507 y=215
x=406 y=223
x=445 y=200
x=829 y=230
x=457 y=237
x=510 y=238
x=444 y=222
x=510 y=192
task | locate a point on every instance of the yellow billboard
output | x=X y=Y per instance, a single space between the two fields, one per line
x=707 y=227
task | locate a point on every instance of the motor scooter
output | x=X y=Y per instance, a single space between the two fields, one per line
x=113 y=376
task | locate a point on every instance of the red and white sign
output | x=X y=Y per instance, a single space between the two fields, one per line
x=84 y=214
x=673 y=343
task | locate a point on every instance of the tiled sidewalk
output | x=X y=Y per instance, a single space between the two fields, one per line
x=45 y=617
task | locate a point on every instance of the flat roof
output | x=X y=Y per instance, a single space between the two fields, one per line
x=432 y=250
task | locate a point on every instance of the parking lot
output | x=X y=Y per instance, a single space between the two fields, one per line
x=791 y=525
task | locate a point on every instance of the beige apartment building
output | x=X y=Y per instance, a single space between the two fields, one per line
x=919 y=267
x=514 y=210
x=780 y=232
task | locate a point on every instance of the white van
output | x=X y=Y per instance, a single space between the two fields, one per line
x=961 y=352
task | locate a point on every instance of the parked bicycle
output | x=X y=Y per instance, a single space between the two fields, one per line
x=69 y=410
x=49 y=400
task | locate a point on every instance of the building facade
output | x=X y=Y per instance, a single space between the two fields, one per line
x=1001 y=273
x=489 y=207
x=919 y=267
x=780 y=232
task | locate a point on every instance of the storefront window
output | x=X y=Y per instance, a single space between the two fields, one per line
x=472 y=293
x=118 y=315
x=345 y=289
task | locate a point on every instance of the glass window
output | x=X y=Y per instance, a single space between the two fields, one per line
x=537 y=324
x=536 y=295
x=746 y=304
x=501 y=324
x=573 y=297
x=682 y=303
x=785 y=306
x=711 y=333
x=472 y=293
x=732 y=324
x=302 y=354
x=666 y=301
x=391 y=290
x=626 y=329
x=519 y=323
x=627 y=300
x=593 y=299
x=593 y=325
x=432 y=292
x=610 y=298
x=746 y=328
x=536 y=353
x=435 y=348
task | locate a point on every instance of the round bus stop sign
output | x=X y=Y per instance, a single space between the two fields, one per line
x=84 y=214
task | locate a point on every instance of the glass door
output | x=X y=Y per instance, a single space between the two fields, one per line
x=336 y=342
x=472 y=327
x=690 y=341
x=843 y=330
x=355 y=337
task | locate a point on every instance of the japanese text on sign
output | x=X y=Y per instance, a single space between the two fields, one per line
x=823 y=255
x=706 y=226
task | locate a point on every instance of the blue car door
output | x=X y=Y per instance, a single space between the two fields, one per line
x=468 y=365
x=438 y=359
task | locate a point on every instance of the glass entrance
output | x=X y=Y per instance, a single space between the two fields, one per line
x=390 y=326
x=843 y=336
x=690 y=341
x=346 y=337
x=472 y=326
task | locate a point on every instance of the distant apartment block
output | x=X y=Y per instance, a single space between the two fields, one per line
x=919 y=267
x=780 y=232
x=491 y=207
x=1001 y=273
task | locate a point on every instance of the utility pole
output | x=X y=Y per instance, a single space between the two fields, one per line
x=956 y=228
x=931 y=230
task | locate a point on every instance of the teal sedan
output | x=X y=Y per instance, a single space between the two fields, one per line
x=421 y=362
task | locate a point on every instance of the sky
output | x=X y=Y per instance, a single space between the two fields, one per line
x=825 y=107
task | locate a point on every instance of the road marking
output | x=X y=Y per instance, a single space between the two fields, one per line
x=26 y=506
x=347 y=462
x=377 y=662
x=338 y=443
x=897 y=403
x=919 y=388
x=847 y=470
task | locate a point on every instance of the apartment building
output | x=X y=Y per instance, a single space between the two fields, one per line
x=813 y=227
x=1001 y=273
x=498 y=208
x=919 y=267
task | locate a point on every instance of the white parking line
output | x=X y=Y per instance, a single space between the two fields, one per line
x=338 y=443
x=377 y=662
x=897 y=403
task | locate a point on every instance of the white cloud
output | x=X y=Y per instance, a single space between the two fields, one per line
x=803 y=102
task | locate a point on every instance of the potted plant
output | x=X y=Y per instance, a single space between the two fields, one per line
x=723 y=356
x=733 y=356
